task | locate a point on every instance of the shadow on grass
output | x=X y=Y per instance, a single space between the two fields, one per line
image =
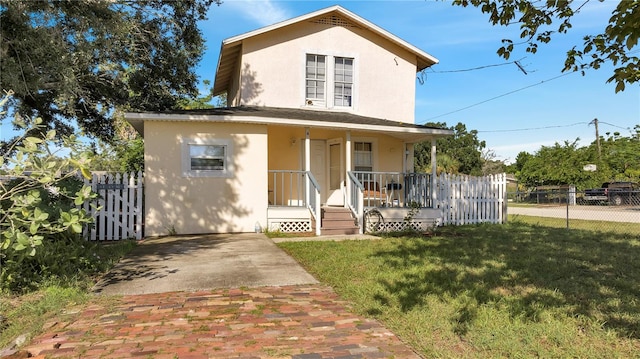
x=527 y=269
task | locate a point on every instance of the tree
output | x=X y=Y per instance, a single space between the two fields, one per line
x=460 y=153
x=490 y=165
x=72 y=63
x=622 y=155
x=560 y=164
x=536 y=20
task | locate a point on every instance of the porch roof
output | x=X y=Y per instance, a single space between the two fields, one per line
x=292 y=117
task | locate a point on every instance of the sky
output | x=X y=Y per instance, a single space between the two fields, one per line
x=512 y=111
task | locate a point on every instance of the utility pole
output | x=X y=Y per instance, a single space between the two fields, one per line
x=595 y=123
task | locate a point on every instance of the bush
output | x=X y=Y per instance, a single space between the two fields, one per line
x=40 y=215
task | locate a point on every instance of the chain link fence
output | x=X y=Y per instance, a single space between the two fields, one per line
x=566 y=207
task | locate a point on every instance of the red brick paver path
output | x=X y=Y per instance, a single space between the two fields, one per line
x=300 y=322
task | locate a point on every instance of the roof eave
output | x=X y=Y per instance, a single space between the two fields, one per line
x=424 y=59
x=137 y=120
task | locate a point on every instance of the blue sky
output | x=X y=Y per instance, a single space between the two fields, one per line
x=462 y=38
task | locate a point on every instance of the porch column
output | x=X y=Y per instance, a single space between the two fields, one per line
x=434 y=167
x=307 y=159
x=307 y=150
x=348 y=163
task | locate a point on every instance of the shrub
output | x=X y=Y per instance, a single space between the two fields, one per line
x=40 y=218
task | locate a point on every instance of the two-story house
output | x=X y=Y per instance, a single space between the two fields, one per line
x=319 y=128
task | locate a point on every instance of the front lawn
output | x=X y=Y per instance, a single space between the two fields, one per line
x=516 y=290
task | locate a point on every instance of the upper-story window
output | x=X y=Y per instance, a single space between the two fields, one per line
x=343 y=81
x=316 y=77
x=333 y=90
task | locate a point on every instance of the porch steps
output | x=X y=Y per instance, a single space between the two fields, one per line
x=337 y=220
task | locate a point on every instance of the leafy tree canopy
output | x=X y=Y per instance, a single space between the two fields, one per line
x=460 y=153
x=564 y=163
x=540 y=20
x=71 y=61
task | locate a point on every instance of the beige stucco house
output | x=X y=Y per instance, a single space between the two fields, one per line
x=320 y=129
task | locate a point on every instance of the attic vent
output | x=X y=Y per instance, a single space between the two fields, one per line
x=335 y=20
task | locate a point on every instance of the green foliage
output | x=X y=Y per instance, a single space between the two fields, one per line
x=39 y=208
x=131 y=155
x=622 y=155
x=201 y=102
x=460 y=153
x=77 y=61
x=563 y=163
x=122 y=156
x=539 y=21
x=27 y=313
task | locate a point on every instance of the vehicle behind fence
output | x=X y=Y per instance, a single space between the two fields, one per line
x=567 y=207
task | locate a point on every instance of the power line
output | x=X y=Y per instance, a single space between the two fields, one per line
x=478 y=68
x=535 y=128
x=548 y=127
x=499 y=96
x=612 y=125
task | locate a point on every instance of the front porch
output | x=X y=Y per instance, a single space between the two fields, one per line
x=371 y=202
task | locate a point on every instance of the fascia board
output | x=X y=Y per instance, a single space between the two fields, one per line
x=135 y=117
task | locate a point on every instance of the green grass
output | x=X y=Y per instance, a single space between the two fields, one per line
x=517 y=290
x=597 y=226
x=28 y=312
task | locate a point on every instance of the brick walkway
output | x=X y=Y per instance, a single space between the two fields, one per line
x=300 y=322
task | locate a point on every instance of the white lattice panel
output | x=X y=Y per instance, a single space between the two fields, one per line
x=398 y=226
x=295 y=226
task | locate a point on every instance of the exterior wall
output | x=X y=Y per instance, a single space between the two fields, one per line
x=273 y=69
x=204 y=204
x=286 y=147
x=233 y=96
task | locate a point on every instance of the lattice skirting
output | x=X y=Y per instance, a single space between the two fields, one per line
x=291 y=226
x=397 y=226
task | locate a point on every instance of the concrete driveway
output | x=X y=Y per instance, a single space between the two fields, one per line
x=201 y=262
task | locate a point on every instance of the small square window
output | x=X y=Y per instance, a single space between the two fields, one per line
x=209 y=158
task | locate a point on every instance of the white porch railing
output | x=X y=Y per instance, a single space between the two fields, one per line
x=354 y=199
x=395 y=189
x=290 y=188
x=386 y=189
x=313 y=195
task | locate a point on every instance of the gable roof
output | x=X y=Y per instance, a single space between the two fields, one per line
x=291 y=117
x=231 y=47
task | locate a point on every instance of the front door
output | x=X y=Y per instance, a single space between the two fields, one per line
x=335 y=168
x=318 y=155
x=327 y=166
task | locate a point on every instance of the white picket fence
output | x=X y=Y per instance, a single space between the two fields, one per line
x=118 y=209
x=465 y=199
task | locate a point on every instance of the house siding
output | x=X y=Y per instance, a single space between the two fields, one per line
x=191 y=205
x=273 y=69
x=286 y=147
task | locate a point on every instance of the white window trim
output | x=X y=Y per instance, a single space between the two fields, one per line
x=333 y=81
x=329 y=94
x=317 y=102
x=374 y=151
x=186 y=157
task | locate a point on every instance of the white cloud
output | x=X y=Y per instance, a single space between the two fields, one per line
x=263 y=12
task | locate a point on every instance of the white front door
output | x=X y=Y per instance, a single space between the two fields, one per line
x=318 y=165
x=335 y=167
x=327 y=166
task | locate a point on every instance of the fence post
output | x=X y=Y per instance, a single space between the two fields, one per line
x=567 y=209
